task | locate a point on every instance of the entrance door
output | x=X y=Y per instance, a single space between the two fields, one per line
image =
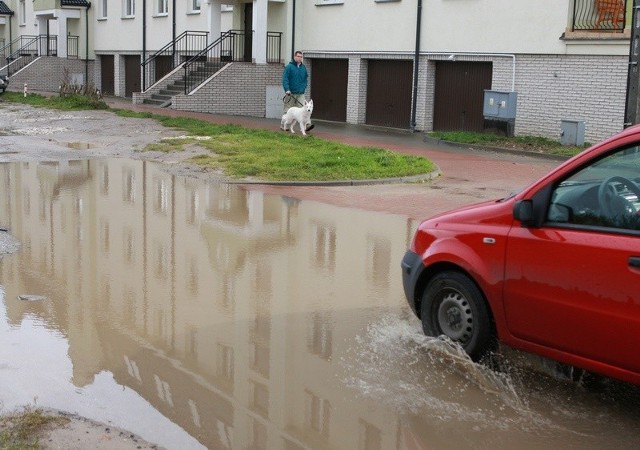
x=164 y=65
x=329 y=79
x=389 y=93
x=132 y=74
x=107 y=74
x=248 y=32
x=459 y=95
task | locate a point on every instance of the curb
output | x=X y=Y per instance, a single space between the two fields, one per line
x=369 y=182
x=457 y=145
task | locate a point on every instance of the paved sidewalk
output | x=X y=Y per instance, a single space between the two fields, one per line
x=467 y=175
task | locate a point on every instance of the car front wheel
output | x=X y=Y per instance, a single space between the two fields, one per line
x=452 y=305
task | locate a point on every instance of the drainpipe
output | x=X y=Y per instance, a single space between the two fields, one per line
x=631 y=98
x=144 y=41
x=293 y=31
x=86 y=44
x=416 y=62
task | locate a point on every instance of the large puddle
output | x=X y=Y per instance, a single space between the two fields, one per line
x=199 y=314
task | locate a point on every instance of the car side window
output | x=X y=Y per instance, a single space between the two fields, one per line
x=605 y=193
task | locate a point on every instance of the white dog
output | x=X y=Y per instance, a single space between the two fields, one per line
x=302 y=115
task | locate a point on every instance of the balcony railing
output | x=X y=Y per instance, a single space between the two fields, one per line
x=72 y=46
x=600 y=15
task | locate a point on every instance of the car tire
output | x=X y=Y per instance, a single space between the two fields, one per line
x=452 y=305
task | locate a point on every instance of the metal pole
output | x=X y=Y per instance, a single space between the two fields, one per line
x=144 y=43
x=416 y=63
x=633 y=81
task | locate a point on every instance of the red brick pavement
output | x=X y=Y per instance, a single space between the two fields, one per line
x=468 y=175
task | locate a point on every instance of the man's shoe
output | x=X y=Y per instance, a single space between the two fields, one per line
x=310 y=127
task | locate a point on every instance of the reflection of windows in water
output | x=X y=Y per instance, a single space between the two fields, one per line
x=161 y=197
x=317 y=413
x=224 y=360
x=195 y=414
x=324 y=246
x=161 y=266
x=320 y=335
x=259 y=397
x=192 y=276
x=262 y=327
x=104 y=180
x=261 y=282
x=129 y=245
x=369 y=436
x=128 y=308
x=192 y=207
x=104 y=235
x=259 y=436
x=228 y=292
x=163 y=389
x=128 y=186
x=191 y=344
x=26 y=203
x=377 y=260
x=260 y=358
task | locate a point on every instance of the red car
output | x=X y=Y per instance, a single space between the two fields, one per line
x=553 y=270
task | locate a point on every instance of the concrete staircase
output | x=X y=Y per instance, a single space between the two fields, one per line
x=163 y=97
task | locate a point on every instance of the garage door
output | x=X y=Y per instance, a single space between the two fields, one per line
x=107 y=74
x=389 y=87
x=459 y=95
x=329 y=79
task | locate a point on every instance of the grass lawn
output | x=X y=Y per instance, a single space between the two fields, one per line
x=262 y=154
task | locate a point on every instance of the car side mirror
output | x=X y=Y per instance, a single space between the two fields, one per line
x=523 y=211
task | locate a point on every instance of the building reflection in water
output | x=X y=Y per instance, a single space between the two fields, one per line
x=225 y=309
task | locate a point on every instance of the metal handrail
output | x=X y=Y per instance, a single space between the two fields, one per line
x=229 y=47
x=600 y=15
x=184 y=46
x=207 y=62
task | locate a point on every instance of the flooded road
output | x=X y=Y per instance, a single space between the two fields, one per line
x=201 y=315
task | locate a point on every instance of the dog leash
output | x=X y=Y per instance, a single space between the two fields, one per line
x=289 y=95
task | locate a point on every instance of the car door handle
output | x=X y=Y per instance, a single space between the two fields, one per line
x=634 y=261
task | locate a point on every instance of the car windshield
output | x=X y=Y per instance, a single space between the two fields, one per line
x=624 y=163
x=605 y=193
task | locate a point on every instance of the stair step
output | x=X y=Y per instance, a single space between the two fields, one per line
x=151 y=101
x=171 y=92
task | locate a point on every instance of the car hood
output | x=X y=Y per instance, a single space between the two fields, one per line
x=487 y=212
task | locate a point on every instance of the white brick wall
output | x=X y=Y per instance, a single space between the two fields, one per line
x=238 y=89
x=47 y=72
x=552 y=88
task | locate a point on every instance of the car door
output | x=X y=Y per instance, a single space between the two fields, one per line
x=574 y=283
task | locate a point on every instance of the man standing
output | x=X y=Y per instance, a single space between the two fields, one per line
x=294 y=83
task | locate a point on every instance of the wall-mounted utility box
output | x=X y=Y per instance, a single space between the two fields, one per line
x=499 y=104
x=572 y=132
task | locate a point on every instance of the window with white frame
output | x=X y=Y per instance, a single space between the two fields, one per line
x=102 y=9
x=22 y=12
x=128 y=8
x=195 y=5
x=162 y=7
x=329 y=2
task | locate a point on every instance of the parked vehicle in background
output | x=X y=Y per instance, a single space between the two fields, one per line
x=4 y=82
x=553 y=270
